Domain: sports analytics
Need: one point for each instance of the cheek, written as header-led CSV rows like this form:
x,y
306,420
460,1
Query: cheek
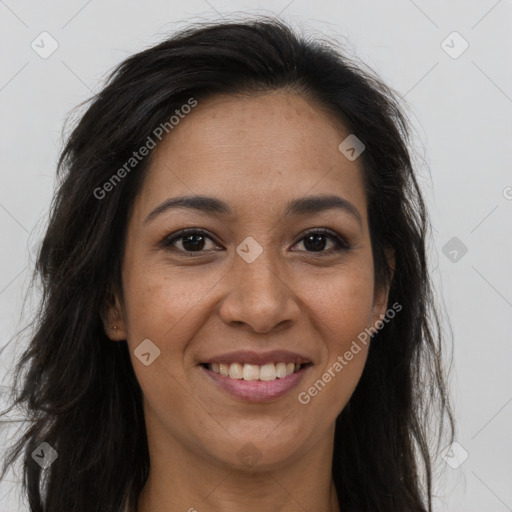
x,y
164,307
341,304
159,301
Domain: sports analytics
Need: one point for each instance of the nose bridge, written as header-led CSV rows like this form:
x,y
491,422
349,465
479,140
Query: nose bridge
x,y
257,294
258,276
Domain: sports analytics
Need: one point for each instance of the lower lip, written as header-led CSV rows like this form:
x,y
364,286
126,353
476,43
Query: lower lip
x,y
257,390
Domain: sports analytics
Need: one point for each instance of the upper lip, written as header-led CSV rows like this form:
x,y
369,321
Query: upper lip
x,y
259,358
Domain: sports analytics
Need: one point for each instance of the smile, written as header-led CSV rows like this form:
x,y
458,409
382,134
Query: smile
x,y
248,380
249,372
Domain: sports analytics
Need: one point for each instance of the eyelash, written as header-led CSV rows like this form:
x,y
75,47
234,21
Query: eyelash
x,y
167,242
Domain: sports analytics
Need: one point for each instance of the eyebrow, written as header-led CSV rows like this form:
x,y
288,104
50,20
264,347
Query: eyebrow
x,y
301,206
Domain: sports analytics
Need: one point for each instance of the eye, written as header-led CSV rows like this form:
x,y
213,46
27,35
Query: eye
x,y
317,240
189,241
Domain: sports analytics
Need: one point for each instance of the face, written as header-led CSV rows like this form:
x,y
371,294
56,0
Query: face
x,y
261,277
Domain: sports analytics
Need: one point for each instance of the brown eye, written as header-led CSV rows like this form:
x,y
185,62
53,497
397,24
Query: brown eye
x,y
193,242
189,241
316,241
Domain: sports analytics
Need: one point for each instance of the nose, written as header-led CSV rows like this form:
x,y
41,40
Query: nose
x,y
259,296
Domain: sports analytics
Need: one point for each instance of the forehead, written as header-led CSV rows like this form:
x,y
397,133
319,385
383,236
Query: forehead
x,y
261,149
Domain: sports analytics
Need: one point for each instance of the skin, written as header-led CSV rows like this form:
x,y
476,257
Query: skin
x,y
256,153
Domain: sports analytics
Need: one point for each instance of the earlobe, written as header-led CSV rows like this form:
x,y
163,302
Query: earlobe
x,y
380,304
382,290
390,259
113,318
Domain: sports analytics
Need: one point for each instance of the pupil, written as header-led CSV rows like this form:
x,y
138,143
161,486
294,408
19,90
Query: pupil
x,y
193,242
311,242
315,242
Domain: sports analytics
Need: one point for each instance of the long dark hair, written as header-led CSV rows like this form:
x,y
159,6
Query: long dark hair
x,y
79,390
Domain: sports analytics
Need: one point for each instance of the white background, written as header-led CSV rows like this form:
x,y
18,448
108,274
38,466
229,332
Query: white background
x,y
461,109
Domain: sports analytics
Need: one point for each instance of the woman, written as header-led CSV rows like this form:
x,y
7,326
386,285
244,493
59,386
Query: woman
x,y
237,313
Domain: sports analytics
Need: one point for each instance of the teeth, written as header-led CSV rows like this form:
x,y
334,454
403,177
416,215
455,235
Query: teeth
x,y
268,372
264,372
251,372
281,370
236,371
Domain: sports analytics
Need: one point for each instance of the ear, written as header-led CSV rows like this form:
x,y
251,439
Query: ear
x,y
112,316
381,293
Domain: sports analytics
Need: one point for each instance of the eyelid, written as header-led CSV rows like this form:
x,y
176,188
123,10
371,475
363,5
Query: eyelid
x,y
168,241
342,243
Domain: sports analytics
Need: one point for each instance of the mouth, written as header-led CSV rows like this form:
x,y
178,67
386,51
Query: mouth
x,y
253,372
263,382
